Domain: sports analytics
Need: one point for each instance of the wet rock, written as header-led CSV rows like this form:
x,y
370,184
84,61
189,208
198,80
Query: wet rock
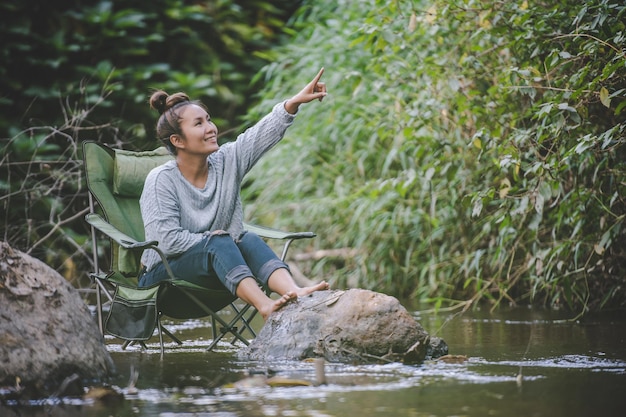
x,y
437,347
47,333
341,326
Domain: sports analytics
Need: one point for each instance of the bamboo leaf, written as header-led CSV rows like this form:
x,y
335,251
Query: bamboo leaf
x,y
604,97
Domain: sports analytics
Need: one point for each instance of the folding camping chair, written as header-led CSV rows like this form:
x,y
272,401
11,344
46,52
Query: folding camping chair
x,y
115,180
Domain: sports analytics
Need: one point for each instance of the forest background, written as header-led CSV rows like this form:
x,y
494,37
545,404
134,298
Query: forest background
x,y
469,152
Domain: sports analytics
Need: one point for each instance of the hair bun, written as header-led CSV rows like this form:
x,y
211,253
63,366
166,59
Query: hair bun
x,y
158,101
161,101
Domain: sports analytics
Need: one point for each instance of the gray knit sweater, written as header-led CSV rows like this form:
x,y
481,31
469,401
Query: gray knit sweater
x,y
176,213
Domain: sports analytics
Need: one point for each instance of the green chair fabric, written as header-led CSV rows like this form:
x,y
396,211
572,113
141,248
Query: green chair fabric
x,y
133,314
115,181
120,211
131,168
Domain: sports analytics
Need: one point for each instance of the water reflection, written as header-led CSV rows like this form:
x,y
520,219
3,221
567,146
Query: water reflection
x,y
520,362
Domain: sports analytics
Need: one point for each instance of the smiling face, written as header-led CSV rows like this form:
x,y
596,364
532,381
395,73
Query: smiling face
x,y
199,133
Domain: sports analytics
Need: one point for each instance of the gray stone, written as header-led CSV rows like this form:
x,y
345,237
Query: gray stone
x,y
437,347
47,334
341,326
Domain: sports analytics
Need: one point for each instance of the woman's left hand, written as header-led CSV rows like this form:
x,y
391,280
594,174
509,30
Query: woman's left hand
x,y
313,90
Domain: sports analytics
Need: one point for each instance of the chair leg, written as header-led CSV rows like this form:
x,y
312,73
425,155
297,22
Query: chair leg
x,y
231,328
240,315
246,320
228,327
216,339
160,335
99,308
171,336
133,342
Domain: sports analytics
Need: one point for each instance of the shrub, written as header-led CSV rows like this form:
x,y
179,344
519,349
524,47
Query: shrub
x,y
469,150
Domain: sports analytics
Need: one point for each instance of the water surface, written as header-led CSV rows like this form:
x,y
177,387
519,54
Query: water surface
x,y
519,362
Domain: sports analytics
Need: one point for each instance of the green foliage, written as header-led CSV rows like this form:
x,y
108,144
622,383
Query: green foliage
x,y
83,69
469,150
63,51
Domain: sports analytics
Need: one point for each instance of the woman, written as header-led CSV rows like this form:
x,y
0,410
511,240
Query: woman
x,y
192,206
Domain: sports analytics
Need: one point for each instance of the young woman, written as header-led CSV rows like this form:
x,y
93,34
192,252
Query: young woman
x,y
192,206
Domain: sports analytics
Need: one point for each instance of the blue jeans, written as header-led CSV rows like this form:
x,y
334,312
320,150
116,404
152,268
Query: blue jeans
x,y
218,261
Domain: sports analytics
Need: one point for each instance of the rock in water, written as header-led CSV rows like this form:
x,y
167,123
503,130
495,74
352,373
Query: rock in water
x,y
47,333
341,326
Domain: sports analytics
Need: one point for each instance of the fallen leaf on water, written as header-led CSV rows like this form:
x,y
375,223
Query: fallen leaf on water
x,y
259,381
452,358
277,381
104,394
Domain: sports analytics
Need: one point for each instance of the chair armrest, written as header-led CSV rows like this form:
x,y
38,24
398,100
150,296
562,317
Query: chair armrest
x,y
126,241
270,233
121,238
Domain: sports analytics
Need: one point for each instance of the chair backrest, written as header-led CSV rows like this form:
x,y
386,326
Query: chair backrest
x,y
115,179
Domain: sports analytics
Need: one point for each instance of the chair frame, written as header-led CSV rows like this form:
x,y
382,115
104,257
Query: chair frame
x,y
104,284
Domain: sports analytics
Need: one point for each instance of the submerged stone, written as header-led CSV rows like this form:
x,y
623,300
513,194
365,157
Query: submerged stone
x,y
341,326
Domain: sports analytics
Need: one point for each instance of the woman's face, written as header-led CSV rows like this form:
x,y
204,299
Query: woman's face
x,y
199,132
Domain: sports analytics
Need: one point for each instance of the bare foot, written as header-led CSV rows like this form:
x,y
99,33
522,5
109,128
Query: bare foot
x,y
308,290
275,305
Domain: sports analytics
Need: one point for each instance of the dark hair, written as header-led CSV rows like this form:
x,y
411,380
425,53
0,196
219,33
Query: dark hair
x,y
169,107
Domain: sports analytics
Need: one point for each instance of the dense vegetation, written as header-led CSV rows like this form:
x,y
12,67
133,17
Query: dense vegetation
x,y
468,151
73,70
79,53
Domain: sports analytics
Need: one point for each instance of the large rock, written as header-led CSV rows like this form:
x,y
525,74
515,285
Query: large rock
x,y
47,334
341,326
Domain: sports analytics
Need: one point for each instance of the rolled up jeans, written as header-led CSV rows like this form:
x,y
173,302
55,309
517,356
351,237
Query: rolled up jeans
x,y
218,261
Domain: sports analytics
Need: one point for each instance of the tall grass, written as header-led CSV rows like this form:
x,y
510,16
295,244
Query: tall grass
x,y
467,150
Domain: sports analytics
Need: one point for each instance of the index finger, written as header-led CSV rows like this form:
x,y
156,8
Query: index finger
x,y
318,76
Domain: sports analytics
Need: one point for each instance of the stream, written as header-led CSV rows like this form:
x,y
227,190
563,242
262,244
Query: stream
x,y
511,362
